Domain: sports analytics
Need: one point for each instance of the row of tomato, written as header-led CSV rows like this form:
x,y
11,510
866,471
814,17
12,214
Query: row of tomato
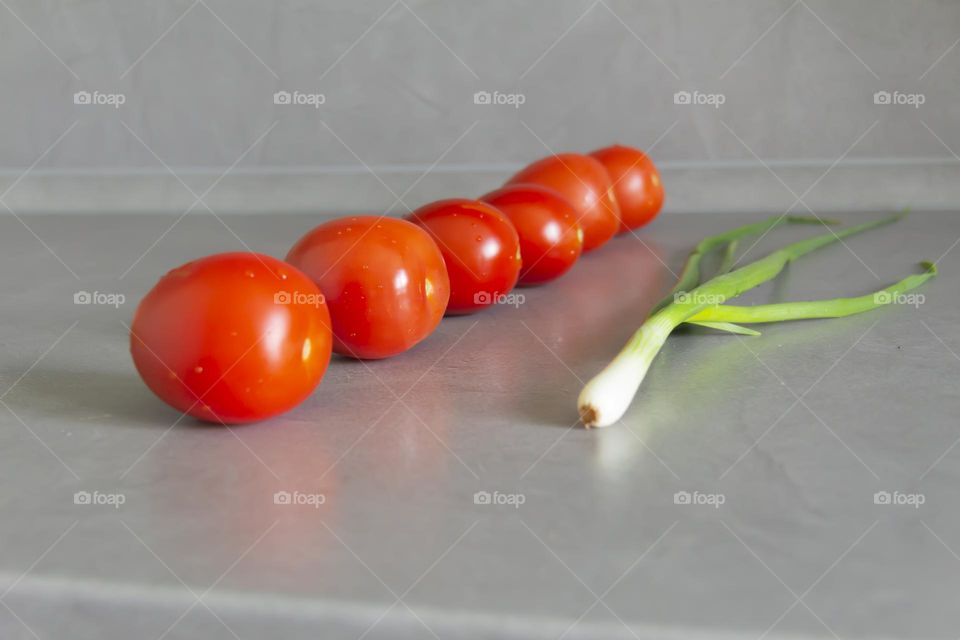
x,y
239,337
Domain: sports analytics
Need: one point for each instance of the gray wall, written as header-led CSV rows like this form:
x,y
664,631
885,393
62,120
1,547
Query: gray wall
x,y
797,79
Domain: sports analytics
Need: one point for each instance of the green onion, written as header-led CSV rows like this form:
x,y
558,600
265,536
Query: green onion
x,y
726,263
607,396
729,327
690,276
836,308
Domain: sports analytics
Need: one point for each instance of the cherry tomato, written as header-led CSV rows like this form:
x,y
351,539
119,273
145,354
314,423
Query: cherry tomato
x,y
586,184
636,184
384,280
480,247
550,238
232,338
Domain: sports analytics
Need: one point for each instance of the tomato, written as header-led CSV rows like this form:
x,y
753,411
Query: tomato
x,y
384,280
550,238
480,247
586,184
232,338
636,184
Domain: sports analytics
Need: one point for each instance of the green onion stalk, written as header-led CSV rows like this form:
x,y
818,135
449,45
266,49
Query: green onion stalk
x,y
835,308
690,275
607,396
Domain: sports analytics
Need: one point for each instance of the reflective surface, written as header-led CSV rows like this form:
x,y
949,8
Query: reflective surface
x,y
450,477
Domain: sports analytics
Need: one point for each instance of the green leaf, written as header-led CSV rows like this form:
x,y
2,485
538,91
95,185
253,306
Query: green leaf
x,y
729,327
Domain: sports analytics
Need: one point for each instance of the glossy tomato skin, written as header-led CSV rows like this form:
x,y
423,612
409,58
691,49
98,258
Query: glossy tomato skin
x,y
585,183
480,247
636,184
384,280
232,338
551,240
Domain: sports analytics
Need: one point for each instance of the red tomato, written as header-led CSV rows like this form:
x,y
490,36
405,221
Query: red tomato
x,y
550,238
636,184
232,338
384,280
586,184
480,247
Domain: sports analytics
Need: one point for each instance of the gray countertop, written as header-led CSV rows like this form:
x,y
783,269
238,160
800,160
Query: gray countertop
x,y
794,432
